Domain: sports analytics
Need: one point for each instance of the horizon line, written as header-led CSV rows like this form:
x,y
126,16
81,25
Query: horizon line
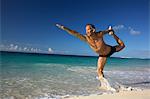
x,y
60,54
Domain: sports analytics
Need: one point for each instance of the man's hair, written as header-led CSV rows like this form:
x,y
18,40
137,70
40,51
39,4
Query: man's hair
x,y
91,25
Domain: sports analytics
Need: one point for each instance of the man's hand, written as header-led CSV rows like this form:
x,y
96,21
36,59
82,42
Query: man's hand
x,y
60,26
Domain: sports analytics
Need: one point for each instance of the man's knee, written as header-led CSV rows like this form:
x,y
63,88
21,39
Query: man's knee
x,y
123,46
120,47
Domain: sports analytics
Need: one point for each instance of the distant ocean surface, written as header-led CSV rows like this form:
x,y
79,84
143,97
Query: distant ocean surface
x,y
37,76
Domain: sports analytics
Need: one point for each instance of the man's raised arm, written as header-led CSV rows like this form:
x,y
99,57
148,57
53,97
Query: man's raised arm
x,y
72,32
109,30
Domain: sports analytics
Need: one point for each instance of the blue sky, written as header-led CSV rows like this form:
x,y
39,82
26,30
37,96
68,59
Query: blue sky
x,y
29,25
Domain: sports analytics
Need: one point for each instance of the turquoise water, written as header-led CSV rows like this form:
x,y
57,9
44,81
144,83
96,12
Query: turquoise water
x,y
37,75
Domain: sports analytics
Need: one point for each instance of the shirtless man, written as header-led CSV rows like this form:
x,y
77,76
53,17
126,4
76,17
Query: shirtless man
x,y
96,42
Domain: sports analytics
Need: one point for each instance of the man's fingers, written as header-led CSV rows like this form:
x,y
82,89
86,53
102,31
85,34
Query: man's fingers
x,y
60,26
109,28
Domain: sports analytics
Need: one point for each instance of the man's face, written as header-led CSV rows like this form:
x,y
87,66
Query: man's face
x,y
89,30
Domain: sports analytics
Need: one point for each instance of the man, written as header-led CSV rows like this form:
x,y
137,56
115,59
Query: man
x,y
96,42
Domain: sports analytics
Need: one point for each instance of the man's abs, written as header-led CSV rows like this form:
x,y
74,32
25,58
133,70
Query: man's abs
x,y
103,50
98,46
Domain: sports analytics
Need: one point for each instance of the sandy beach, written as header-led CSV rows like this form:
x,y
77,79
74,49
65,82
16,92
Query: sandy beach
x,y
144,94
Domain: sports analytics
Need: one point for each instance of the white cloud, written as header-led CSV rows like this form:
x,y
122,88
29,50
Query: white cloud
x,y
12,47
32,49
133,32
23,48
118,27
50,50
15,47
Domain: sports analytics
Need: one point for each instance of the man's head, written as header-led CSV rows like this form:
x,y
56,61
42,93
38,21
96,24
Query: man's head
x,y
90,28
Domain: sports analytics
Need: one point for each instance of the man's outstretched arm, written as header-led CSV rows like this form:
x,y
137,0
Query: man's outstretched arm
x,y
72,32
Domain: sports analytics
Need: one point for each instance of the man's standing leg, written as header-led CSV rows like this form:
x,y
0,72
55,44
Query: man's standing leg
x,y
101,63
100,66
104,82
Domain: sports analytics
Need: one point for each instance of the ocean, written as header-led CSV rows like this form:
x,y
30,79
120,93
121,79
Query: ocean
x,y
43,76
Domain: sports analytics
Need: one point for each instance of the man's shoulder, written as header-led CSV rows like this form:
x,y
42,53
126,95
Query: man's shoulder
x,y
99,34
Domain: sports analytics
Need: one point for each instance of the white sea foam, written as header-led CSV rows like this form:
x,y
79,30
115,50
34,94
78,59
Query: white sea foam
x,y
49,64
80,69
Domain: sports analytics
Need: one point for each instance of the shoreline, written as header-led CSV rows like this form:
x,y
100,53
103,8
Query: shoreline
x,y
135,94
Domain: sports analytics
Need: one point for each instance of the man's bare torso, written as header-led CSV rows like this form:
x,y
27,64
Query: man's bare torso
x,y
98,45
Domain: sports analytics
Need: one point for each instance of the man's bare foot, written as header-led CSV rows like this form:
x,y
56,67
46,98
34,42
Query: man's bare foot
x,y
101,77
111,33
106,86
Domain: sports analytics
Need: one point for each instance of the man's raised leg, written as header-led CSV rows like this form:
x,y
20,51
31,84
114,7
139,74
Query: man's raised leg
x,y
120,45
